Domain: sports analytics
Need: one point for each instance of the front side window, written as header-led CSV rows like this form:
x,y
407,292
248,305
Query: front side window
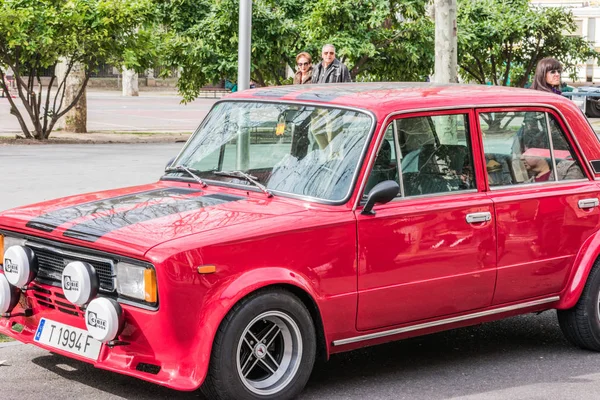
x,y
298,149
435,155
519,149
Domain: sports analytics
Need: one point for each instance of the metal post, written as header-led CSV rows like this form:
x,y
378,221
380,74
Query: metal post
x,y
445,41
245,36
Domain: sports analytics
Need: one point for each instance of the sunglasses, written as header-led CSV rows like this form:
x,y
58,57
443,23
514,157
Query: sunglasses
x,y
303,64
555,71
329,52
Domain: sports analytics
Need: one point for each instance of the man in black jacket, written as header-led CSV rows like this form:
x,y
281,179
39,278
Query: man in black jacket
x,y
330,69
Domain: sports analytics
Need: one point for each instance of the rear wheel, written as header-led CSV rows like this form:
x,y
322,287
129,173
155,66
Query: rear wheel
x,y
581,324
264,349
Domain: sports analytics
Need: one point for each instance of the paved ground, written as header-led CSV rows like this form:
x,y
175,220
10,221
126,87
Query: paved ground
x,y
113,118
36,173
108,111
524,357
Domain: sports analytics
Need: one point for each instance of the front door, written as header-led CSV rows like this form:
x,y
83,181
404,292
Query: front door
x,y
432,251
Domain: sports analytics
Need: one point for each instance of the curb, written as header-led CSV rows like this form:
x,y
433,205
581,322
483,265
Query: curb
x,y
100,138
10,344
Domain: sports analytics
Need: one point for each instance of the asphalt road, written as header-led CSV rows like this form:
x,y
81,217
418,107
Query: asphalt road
x,y
523,357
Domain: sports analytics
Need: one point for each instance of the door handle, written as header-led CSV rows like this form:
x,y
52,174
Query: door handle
x,y
479,217
588,203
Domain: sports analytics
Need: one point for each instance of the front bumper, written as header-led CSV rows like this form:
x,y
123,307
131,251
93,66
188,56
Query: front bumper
x,y
148,352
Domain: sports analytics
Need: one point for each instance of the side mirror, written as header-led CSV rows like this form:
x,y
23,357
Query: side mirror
x,y
381,193
169,163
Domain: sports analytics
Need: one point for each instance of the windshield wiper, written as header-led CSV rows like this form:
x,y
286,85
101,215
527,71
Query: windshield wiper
x,y
183,168
248,177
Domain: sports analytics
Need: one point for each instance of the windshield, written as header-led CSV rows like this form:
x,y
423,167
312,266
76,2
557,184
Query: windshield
x,y
299,149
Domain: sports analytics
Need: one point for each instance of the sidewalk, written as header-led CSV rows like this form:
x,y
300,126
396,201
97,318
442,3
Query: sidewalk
x,y
98,137
154,116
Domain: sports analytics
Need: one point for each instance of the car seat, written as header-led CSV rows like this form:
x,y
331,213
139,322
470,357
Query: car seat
x,y
439,170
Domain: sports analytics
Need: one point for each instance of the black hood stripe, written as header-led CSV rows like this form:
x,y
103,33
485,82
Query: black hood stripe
x,y
52,220
94,229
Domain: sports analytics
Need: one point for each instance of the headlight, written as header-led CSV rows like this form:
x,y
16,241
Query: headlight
x,y
8,241
137,282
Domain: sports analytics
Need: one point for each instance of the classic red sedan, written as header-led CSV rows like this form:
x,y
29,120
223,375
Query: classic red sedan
x,y
302,221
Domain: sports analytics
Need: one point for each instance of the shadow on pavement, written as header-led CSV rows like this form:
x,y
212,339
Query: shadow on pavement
x,y
109,382
514,352
519,351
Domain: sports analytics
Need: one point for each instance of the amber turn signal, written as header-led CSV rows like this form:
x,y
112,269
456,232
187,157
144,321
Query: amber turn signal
x,y
207,269
150,285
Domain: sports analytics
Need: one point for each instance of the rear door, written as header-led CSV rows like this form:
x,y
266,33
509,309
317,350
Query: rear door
x,y
432,251
545,204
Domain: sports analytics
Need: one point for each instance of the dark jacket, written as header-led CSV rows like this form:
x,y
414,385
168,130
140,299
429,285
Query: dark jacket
x,y
336,72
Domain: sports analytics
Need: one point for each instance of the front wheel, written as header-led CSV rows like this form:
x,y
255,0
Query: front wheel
x,y
264,349
581,324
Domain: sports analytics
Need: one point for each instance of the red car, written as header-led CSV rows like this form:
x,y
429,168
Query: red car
x,y
303,221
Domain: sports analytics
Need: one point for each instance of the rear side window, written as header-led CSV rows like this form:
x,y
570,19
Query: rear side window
x,y
426,155
526,147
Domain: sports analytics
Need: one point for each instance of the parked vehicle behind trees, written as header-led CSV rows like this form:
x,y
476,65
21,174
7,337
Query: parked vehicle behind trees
x,y
265,246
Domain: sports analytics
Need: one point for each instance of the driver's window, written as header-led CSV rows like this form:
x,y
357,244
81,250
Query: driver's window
x,y
435,155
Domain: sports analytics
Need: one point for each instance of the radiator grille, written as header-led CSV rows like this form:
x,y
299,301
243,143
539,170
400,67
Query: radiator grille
x,y
52,261
55,300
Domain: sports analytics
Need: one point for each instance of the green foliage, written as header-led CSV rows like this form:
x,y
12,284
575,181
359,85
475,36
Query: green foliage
x,y
392,40
501,41
38,34
389,40
205,46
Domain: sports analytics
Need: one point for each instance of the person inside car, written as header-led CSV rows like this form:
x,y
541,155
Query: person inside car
x,y
537,161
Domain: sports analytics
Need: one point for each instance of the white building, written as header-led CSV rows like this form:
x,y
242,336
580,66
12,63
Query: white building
x,y
587,18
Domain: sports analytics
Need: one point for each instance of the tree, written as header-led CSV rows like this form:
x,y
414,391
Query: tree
x,y
382,40
202,40
501,41
377,39
36,34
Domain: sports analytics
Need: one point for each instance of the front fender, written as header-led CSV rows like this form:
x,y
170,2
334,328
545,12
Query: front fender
x,y
584,261
220,300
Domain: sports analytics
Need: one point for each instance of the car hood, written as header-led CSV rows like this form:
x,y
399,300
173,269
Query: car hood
x,y
133,220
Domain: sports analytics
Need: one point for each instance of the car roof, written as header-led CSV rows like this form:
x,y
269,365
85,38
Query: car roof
x,y
385,97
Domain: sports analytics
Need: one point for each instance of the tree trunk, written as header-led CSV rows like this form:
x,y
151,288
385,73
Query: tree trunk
x,y
130,83
76,119
445,41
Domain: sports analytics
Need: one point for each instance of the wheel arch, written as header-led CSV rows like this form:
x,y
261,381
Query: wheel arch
x,y
238,290
588,255
313,309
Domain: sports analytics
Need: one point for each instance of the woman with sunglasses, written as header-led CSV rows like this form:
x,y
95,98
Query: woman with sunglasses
x,y
547,76
305,69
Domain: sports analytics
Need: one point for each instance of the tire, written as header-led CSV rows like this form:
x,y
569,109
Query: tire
x,y
581,324
592,108
264,349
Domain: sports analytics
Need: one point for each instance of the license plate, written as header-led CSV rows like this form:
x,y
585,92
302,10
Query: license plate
x,y
67,338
